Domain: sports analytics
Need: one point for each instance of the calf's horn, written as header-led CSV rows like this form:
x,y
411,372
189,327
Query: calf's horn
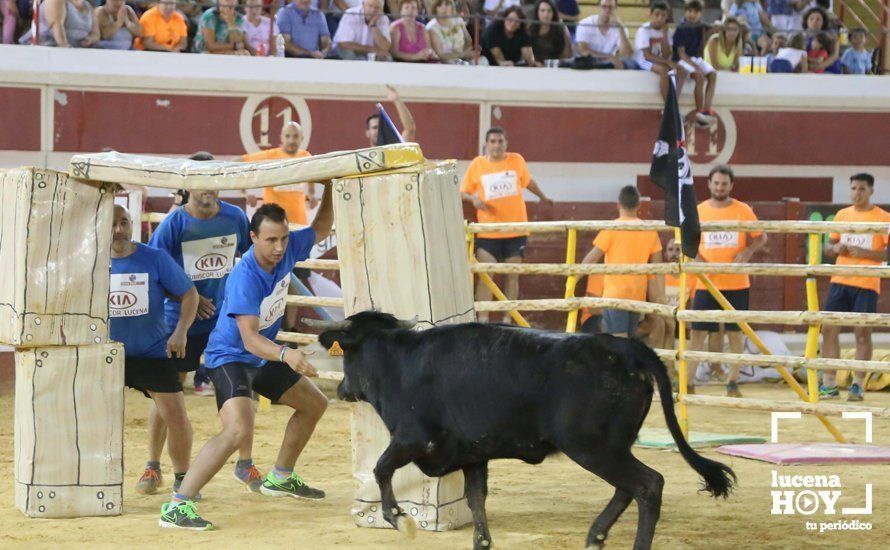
x,y
408,323
327,325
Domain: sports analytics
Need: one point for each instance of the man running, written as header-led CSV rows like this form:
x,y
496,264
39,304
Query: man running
x,y
242,356
724,247
203,237
140,278
853,294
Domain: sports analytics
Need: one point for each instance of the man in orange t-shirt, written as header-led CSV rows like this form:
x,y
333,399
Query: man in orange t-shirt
x,y
724,247
494,183
163,29
290,197
853,294
626,247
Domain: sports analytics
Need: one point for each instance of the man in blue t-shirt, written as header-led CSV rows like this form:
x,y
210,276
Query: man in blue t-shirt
x,y
140,278
242,357
203,237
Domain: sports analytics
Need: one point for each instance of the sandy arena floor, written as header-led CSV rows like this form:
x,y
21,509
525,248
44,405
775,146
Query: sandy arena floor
x,y
529,507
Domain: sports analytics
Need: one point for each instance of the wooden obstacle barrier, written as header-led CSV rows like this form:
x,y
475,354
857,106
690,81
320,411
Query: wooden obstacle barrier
x,y
400,242
55,234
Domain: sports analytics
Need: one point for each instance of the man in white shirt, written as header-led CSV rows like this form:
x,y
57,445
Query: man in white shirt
x,y
604,38
363,31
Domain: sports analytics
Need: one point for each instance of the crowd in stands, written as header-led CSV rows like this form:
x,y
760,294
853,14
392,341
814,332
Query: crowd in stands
x,y
792,35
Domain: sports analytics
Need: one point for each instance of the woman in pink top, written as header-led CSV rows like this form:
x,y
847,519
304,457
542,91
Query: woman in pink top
x,y
409,39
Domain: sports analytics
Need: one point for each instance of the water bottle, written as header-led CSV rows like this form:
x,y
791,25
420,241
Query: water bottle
x,y
279,45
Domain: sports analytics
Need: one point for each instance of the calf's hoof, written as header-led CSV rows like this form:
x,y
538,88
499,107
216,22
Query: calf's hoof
x,y
483,544
405,525
597,543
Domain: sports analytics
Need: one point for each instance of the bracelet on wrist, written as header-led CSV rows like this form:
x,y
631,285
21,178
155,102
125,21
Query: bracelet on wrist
x,y
281,353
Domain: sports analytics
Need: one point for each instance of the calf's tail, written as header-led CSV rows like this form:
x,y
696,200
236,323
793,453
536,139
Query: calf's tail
x,y
718,478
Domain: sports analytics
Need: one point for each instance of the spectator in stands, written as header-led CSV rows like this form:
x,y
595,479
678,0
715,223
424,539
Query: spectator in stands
x,y
550,39
856,60
67,24
448,34
626,247
724,48
750,12
777,41
118,25
569,13
259,29
816,21
792,59
363,31
783,14
9,11
506,42
163,29
493,8
652,44
820,52
409,39
603,38
305,30
724,247
494,183
215,31
409,128
689,41
854,294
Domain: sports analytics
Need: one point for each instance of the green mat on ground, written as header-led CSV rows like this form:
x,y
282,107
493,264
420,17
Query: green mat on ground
x,y
660,438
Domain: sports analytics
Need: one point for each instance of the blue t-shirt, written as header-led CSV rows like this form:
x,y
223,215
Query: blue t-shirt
x,y
139,283
691,36
856,62
304,28
251,290
206,251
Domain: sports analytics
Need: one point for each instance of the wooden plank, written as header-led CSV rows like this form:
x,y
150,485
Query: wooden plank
x,y
767,226
400,246
69,416
55,239
828,409
173,173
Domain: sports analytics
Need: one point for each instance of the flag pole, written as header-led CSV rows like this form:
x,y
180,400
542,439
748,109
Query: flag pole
x,y
681,344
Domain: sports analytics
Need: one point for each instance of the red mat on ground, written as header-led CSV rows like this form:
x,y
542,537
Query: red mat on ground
x,y
810,453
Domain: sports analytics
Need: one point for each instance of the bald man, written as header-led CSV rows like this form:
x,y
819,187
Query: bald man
x,y
290,197
141,276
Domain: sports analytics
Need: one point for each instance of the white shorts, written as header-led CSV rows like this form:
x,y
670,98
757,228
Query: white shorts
x,y
698,65
786,23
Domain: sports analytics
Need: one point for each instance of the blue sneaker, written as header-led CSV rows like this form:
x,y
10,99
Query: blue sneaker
x,y
855,393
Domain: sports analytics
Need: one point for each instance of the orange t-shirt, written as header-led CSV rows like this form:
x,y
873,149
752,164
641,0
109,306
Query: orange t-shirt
x,y
165,32
672,288
627,247
722,246
290,197
500,186
873,242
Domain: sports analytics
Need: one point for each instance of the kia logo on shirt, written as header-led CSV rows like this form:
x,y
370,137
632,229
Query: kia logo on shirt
x,y
224,240
274,312
121,299
132,277
210,262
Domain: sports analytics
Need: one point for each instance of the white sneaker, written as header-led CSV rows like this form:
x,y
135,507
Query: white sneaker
x,y
204,390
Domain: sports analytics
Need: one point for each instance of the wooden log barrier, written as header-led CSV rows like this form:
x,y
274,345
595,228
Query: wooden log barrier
x,y
69,419
401,247
827,409
55,237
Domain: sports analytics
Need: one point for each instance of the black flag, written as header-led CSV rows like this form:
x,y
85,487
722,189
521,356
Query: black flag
x,y
672,172
386,132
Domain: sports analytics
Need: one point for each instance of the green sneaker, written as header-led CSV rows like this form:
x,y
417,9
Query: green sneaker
x,y
855,393
826,393
183,516
294,486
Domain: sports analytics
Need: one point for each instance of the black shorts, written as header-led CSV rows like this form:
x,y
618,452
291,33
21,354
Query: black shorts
x,y
851,299
704,301
152,374
238,379
194,349
501,249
